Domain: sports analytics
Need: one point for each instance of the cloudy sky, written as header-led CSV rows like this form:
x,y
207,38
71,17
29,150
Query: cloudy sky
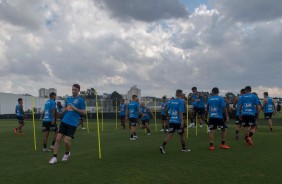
x,y
159,45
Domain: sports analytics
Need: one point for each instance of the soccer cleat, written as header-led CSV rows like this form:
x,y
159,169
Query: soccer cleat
x,y
15,131
249,141
66,157
162,149
52,147
83,128
132,139
192,125
201,126
161,130
185,150
46,150
53,160
211,148
148,134
224,146
135,136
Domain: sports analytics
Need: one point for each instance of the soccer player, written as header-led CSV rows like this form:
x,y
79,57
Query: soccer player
x,y
269,108
74,106
216,106
20,116
176,123
122,111
49,121
238,121
132,113
81,121
60,110
163,114
198,106
248,107
146,117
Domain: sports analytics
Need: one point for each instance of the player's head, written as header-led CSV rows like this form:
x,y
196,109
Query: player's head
x,y
265,94
59,104
134,97
75,90
20,100
215,91
242,91
142,104
122,101
52,95
179,93
248,89
164,98
194,89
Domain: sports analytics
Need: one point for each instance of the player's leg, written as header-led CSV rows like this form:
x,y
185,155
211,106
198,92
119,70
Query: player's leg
x,y
223,136
181,133
268,117
45,140
133,124
148,128
212,127
237,127
59,138
168,137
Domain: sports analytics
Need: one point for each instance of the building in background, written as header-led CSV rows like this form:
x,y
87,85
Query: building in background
x,y
133,91
44,93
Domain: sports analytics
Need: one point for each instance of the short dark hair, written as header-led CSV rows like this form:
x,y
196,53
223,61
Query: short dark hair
x,y
52,94
20,99
194,88
242,91
178,92
164,98
134,96
248,89
265,93
77,86
215,91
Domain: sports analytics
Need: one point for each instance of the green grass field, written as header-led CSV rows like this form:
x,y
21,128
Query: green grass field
x,y
140,161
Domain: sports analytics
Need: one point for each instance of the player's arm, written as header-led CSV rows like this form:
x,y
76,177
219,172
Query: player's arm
x,y
235,102
227,115
53,110
80,111
152,114
263,103
258,108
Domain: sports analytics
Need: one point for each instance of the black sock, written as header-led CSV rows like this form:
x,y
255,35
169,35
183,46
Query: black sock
x,y
183,146
192,121
134,133
53,143
222,142
131,136
251,134
148,130
164,143
44,146
271,129
237,132
67,152
211,143
55,155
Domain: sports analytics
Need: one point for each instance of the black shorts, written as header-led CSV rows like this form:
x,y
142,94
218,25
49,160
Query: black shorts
x,y
46,126
175,127
122,117
267,116
81,118
67,130
184,115
133,121
216,122
199,111
145,121
164,118
238,121
248,120
20,119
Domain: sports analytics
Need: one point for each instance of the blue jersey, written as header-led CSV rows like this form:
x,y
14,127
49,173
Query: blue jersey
x,y
198,101
122,108
71,117
164,105
216,105
145,113
48,108
19,110
175,107
248,102
238,106
269,108
60,109
133,109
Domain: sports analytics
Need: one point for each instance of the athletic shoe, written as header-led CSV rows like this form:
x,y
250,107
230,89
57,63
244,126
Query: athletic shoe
x,y
66,157
15,131
46,150
250,142
224,146
201,126
211,148
53,160
161,130
162,149
185,150
132,139
135,136
52,147
83,128
192,125
148,134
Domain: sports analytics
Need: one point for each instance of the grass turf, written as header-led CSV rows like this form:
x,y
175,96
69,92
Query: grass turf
x,y
140,161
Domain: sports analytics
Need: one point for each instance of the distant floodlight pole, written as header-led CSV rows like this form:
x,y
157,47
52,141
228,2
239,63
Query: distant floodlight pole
x,y
98,127
33,123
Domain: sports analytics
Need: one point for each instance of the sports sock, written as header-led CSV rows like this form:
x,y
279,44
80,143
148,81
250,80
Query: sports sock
x,y
237,132
211,143
131,136
251,134
183,146
271,129
53,143
44,146
55,155
67,152
164,143
222,142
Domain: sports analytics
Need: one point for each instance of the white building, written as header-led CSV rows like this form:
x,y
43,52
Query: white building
x,y
134,91
43,92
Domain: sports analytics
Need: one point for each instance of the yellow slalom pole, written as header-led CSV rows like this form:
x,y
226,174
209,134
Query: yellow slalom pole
x,y
86,117
102,108
116,116
33,123
98,128
145,102
155,107
196,124
187,111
